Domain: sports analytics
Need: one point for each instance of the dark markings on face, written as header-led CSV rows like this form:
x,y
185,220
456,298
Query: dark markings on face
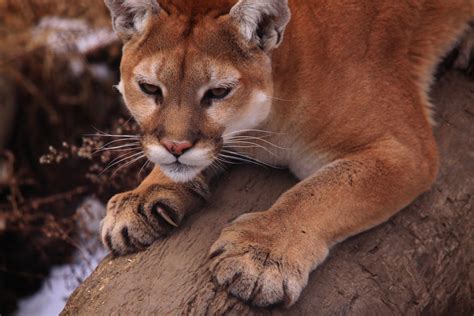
x,y
187,41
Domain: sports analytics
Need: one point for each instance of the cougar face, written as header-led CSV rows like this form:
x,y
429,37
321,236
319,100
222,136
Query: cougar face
x,y
190,82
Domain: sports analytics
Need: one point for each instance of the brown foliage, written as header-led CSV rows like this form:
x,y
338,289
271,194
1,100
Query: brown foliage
x,y
58,96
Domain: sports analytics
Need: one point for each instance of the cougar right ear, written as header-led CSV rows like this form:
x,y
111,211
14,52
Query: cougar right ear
x,y
262,21
129,17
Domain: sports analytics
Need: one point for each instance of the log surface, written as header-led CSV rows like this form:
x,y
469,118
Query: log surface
x,y
419,262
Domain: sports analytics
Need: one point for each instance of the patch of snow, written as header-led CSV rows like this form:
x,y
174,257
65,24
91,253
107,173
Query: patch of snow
x,y
75,38
101,71
62,281
77,66
66,35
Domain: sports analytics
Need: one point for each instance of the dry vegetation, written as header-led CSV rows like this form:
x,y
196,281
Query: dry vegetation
x,y
53,91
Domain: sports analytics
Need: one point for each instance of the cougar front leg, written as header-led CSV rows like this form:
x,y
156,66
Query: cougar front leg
x,y
265,258
137,218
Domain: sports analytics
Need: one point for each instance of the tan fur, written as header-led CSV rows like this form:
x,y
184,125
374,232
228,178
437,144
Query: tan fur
x,y
342,102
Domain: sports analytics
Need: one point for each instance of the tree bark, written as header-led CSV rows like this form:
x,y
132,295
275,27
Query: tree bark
x,y
419,262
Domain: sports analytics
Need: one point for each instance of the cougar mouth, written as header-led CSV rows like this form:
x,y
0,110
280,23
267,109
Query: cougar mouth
x,y
186,166
180,172
178,166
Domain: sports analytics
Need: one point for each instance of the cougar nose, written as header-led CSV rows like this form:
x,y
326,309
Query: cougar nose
x,y
177,148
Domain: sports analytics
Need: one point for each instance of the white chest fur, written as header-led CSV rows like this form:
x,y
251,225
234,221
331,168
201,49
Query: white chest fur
x,y
303,161
306,164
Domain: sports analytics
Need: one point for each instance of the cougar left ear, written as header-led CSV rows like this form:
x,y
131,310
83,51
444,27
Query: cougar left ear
x,y
262,22
129,17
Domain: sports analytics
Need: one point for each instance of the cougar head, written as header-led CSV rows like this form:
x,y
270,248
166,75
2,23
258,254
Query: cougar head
x,y
195,72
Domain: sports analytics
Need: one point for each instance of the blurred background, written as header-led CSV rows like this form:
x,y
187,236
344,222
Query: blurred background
x,y
58,63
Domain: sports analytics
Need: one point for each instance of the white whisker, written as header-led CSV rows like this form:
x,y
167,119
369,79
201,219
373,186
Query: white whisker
x,y
145,165
121,160
127,147
129,163
104,134
249,130
220,162
280,99
247,138
217,166
110,135
225,161
120,140
120,157
246,158
250,145
242,159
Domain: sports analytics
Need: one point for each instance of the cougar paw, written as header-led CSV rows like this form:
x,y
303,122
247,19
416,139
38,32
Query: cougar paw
x,y
258,267
137,218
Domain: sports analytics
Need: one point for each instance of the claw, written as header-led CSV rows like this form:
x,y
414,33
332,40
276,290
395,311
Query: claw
x,y
216,252
166,217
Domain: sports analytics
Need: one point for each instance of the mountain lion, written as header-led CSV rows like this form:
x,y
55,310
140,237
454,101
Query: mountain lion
x,y
338,95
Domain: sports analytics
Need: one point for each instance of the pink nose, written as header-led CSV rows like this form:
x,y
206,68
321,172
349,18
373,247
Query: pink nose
x,y
176,147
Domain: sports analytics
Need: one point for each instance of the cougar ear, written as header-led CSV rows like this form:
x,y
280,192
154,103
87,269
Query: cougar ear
x,y
262,21
129,17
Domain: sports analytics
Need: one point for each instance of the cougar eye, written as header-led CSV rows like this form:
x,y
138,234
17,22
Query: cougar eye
x,y
217,93
150,89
